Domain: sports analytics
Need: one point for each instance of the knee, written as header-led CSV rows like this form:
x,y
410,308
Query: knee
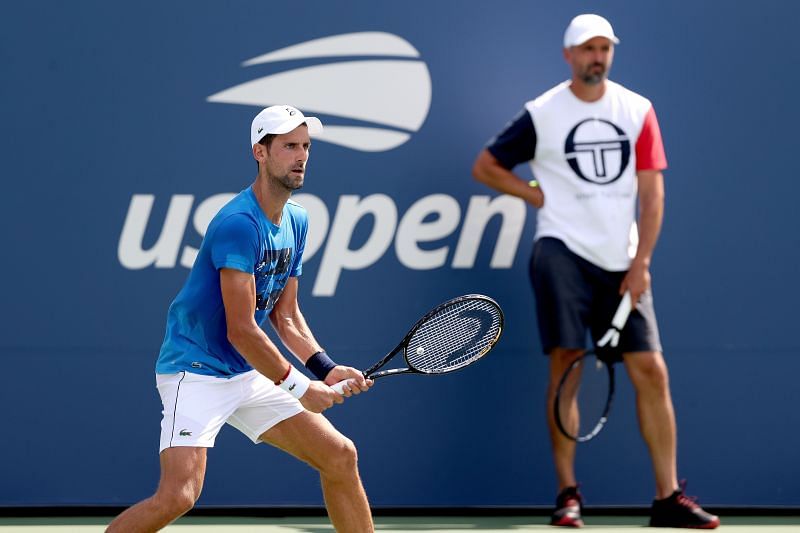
x,y
342,460
178,501
650,374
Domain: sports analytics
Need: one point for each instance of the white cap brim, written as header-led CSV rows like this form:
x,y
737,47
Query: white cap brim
x,y
258,131
591,35
313,123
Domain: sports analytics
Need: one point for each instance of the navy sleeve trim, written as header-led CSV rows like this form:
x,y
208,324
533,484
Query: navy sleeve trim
x,y
516,143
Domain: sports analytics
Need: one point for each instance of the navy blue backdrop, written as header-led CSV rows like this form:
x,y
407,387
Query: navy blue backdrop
x,y
123,123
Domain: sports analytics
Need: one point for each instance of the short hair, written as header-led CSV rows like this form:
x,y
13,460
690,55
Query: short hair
x,y
266,142
267,139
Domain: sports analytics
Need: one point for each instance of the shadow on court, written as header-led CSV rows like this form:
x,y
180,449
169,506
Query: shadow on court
x,y
192,524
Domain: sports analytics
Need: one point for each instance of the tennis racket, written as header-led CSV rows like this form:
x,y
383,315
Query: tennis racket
x,y
449,337
585,391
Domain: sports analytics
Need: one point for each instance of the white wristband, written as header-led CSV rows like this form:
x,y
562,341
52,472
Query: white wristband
x,y
296,383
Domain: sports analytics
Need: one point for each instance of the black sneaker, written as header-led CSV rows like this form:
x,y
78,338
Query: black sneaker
x,y
569,504
679,510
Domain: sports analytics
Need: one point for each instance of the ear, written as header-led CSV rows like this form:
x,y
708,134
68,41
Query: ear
x,y
567,55
259,152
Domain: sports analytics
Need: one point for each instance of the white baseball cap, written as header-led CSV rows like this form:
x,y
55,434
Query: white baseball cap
x,y
584,27
279,119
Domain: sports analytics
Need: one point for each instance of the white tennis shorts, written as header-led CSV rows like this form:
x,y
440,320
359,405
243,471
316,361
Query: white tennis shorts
x,y
197,406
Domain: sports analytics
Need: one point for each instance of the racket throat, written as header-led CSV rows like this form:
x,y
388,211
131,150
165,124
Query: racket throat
x,y
390,372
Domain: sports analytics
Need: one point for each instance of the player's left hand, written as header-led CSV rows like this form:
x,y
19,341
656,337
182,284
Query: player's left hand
x,y
356,382
637,280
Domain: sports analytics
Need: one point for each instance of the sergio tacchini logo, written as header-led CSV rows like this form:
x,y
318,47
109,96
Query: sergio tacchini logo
x,y
597,150
392,96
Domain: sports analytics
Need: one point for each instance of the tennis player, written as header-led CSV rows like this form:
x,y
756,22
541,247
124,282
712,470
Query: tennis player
x,y
217,365
594,147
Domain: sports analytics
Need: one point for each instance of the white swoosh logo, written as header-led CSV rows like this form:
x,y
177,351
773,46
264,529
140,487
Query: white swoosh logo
x,y
387,92
366,43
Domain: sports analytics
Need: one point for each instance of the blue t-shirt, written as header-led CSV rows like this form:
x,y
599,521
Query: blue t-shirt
x,y
240,237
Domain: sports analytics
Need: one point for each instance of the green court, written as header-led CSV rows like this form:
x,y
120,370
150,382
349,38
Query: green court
x,y
450,524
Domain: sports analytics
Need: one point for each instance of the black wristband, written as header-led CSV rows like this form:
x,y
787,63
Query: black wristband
x,y
320,364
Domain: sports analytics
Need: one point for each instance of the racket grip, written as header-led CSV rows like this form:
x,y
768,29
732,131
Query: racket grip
x,y
624,309
339,387
611,337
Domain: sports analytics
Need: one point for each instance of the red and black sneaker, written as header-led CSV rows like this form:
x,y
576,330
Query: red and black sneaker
x,y
569,504
679,510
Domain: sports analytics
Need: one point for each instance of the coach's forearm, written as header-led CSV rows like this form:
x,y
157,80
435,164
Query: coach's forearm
x,y
489,171
650,219
651,215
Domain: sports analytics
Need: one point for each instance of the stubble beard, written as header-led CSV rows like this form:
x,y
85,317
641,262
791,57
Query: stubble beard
x,y
594,79
289,182
286,180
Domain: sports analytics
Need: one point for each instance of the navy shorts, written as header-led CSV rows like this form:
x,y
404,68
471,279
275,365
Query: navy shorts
x,y
574,296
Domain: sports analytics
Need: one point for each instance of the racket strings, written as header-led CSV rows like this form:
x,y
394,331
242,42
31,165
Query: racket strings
x,y
582,400
454,336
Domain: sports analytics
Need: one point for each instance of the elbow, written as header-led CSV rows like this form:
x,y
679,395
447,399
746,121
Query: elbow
x,y
235,338
237,335
657,195
487,170
654,201
479,172
651,190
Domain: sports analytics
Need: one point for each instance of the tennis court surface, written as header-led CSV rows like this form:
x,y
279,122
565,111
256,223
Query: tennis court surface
x,y
449,524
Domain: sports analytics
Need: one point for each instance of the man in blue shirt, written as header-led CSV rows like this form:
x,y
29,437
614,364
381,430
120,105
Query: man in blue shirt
x,y
217,365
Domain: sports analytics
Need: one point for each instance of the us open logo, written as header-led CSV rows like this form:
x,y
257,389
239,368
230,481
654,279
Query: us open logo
x,y
598,151
382,101
373,100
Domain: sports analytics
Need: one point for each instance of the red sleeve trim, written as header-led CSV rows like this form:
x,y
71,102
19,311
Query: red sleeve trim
x,y
649,146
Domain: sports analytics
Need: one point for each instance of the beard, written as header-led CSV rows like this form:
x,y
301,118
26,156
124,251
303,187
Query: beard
x,y
290,182
593,78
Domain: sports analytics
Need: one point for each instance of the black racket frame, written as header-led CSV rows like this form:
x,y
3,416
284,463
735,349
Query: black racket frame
x,y
372,372
609,363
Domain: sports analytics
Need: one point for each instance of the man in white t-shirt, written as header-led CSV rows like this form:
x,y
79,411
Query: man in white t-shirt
x,y
594,148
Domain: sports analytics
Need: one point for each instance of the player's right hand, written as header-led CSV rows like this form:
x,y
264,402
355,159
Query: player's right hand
x,y
319,397
356,382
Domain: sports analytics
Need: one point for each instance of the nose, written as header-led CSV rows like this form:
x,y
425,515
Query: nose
x,y
600,56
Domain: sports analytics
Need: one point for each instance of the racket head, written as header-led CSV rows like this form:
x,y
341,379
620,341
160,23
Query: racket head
x,y
453,335
584,396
